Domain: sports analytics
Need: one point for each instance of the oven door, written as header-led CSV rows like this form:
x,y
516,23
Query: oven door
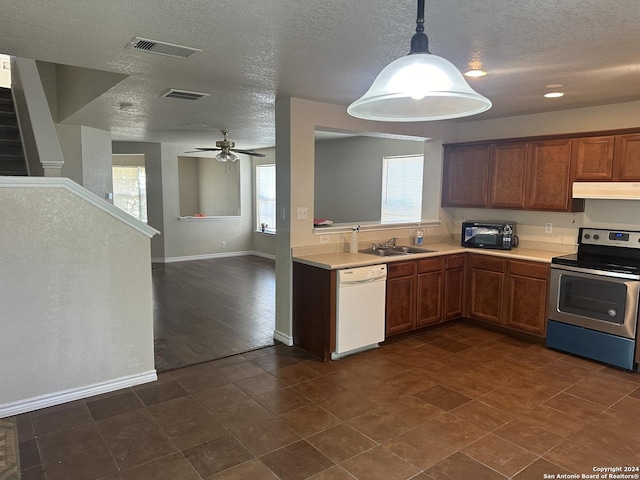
x,y
594,299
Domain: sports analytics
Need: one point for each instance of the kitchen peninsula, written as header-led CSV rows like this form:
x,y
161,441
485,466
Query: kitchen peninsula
x,y
503,288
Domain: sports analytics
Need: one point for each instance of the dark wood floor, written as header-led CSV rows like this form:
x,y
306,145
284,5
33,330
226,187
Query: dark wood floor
x,y
209,309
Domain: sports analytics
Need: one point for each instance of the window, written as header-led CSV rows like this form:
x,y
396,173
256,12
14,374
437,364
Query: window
x,y
402,189
266,197
130,191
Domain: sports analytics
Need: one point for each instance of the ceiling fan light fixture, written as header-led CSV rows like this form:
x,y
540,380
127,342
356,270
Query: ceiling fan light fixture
x,y
419,87
224,156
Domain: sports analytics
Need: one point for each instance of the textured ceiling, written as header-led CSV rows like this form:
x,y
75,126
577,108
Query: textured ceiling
x,y
254,52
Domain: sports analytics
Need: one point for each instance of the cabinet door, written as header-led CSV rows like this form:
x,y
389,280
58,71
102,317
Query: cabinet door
x,y
486,284
593,157
508,175
550,175
430,294
527,290
401,305
465,179
627,158
453,293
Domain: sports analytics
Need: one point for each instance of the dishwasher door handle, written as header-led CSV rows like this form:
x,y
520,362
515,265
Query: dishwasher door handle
x,y
363,282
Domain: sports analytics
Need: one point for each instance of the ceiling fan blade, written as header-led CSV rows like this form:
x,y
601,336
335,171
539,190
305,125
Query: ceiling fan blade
x,y
248,152
208,149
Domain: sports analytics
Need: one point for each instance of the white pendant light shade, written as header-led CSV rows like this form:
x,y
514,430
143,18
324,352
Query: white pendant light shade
x,y
419,87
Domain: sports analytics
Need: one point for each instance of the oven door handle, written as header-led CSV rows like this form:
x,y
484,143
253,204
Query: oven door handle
x,y
591,271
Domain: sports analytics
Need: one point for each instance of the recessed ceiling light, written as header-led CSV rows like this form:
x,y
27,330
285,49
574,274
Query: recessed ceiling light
x,y
554,95
195,125
554,85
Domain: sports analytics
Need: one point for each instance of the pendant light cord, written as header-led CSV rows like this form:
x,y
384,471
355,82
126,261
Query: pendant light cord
x,y
419,41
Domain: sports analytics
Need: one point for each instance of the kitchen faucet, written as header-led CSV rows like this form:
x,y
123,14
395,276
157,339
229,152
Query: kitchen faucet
x,y
391,243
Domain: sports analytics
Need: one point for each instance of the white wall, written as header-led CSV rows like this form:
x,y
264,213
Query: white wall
x,y
85,320
87,157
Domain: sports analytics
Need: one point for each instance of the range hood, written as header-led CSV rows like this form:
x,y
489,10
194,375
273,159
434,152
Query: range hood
x,y
607,190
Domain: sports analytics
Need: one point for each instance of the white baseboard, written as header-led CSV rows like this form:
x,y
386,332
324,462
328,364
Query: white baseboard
x,y
264,255
208,256
51,399
281,337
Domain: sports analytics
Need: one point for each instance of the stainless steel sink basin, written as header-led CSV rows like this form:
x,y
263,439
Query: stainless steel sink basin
x,y
387,252
395,251
412,249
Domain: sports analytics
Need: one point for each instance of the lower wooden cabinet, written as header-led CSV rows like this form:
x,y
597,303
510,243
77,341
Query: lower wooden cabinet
x,y
454,286
510,293
430,291
401,297
486,286
526,304
424,292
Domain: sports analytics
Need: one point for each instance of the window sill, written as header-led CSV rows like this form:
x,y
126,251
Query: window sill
x,y
189,219
266,232
347,227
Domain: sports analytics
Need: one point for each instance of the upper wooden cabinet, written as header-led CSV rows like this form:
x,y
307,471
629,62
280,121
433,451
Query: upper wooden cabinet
x,y
466,176
535,175
612,158
509,175
593,157
550,175
627,158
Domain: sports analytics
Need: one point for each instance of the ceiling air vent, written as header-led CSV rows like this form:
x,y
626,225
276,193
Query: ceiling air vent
x,y
183,94
161,48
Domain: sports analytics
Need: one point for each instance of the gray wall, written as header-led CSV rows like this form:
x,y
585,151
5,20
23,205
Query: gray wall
x,y
348,176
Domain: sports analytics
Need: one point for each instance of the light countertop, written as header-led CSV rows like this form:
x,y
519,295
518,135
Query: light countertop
x,y
340,260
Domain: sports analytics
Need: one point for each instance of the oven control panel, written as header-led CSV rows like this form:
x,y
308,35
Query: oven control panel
x,y
614,238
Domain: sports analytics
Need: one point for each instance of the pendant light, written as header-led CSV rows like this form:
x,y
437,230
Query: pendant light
x,y
419,87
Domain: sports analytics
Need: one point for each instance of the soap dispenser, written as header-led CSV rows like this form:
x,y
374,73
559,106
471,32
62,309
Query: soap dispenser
x,y
419,235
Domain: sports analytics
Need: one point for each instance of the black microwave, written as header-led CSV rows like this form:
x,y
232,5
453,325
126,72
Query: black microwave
x,y
498,235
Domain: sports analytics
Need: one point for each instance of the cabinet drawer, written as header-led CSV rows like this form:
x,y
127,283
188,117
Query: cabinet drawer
x,y
485,262
529,269
454,261
434,264
401,269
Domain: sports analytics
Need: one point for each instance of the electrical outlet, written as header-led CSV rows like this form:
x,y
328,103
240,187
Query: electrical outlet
x,y
223,244
431,230
548,227
324,238
303,213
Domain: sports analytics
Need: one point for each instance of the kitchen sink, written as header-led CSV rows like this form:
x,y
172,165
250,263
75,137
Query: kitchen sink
x,y
395,251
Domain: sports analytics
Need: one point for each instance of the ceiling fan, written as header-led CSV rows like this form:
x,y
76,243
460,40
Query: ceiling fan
x,y
226,149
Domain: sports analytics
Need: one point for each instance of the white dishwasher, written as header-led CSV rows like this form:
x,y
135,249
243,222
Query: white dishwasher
x,y
360,309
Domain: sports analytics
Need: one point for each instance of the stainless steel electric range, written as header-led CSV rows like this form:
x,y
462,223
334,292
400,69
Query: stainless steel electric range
x,y
594,296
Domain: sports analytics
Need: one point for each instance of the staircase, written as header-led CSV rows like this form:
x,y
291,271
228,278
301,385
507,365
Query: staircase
x,y
12,161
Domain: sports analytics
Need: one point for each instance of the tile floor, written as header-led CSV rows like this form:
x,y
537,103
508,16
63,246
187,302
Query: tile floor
x,y
456,403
